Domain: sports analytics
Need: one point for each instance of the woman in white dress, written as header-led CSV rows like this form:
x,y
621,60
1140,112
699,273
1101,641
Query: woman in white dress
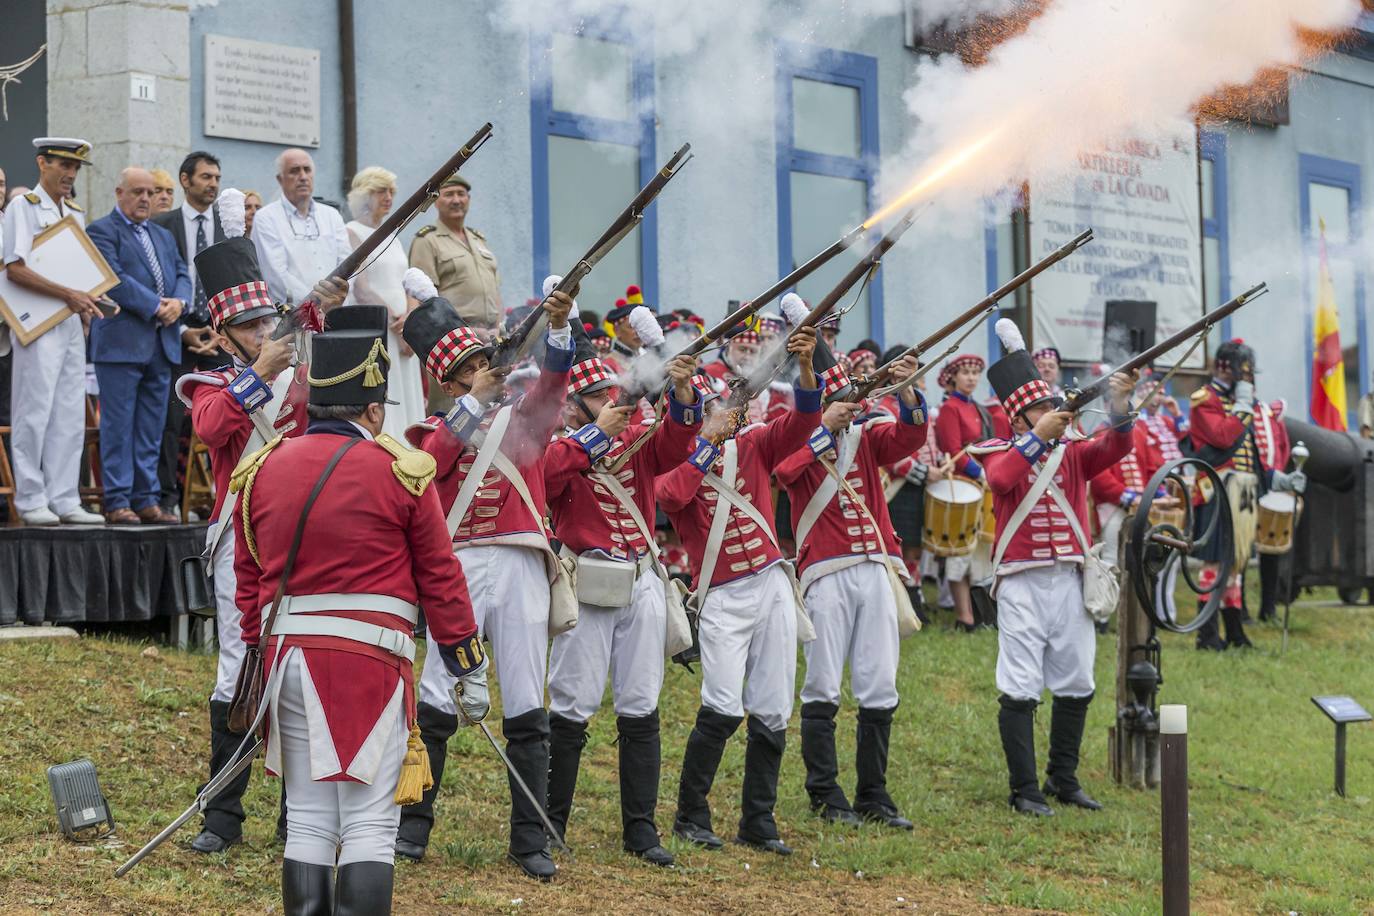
x,y
369,201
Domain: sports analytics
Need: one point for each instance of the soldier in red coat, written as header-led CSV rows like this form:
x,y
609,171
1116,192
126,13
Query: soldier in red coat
x,y
1224,434
498,532
235,410
847,553
599,481
1045,637
719,502
334,622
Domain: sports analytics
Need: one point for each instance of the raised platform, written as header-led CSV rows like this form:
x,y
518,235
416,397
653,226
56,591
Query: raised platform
x,y
71,574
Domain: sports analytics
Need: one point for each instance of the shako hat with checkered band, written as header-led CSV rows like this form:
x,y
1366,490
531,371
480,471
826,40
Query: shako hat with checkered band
x,y
1014,377
348,368
589,374
435,330
228,271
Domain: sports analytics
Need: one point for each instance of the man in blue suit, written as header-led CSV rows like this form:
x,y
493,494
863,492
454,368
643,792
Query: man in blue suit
x,y
134,352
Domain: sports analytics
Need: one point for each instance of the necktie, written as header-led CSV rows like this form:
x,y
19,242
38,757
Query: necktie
x,y
141,231
198,306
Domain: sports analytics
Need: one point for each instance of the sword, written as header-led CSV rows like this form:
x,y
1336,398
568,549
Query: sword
x,y
212,788
515,774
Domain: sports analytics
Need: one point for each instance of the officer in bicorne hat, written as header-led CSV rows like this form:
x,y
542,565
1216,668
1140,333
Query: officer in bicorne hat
x,y
235,410
1045,637
499,534
340,541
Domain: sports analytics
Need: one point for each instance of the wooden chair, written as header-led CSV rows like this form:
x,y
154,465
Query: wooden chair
x,y
199,492
7,475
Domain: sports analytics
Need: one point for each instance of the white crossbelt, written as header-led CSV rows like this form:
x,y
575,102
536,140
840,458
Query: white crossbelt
x,y
308,615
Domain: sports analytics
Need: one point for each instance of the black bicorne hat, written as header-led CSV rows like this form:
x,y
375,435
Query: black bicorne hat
x,y
348,368
439,334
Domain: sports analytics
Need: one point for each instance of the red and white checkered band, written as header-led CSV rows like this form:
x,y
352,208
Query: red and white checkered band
x,y
602,344
1046,353
586,374
748,337
238,299
834,379
968,359
1026,395
704,386
451,349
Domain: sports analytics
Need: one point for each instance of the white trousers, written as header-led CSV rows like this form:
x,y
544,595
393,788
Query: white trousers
x,y
509,588
228,632
748,636
48,418
1111,535
855,616
976,567
1045,638
333,822
626,642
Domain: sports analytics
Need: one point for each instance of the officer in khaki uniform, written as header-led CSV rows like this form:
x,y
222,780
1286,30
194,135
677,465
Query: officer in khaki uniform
x,y
456,257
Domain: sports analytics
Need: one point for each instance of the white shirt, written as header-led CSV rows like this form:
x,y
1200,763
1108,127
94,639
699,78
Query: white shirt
x,y
188,226
295,252
24,220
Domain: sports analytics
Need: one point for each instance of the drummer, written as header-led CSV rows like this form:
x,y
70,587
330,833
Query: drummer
x,y
1271,436
963,421
1225,433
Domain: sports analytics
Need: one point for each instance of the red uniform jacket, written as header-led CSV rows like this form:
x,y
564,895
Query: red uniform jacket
x,y
961,423
497,514
368,534
841,532
1213,423
1123,482
691,505
1046,535
586,515
220,418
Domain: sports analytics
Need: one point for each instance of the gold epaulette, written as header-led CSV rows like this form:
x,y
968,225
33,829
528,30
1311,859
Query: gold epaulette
x,y
412,467
1199,395
73,205
32,197
242,481
425,230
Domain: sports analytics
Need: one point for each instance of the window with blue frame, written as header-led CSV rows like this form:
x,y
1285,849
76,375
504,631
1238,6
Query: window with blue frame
x,y
592,148
1330,200
1216,257
827,153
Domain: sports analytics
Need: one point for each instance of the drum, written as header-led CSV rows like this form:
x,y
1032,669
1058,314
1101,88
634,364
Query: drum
x,y
1277,518
988,530
954,512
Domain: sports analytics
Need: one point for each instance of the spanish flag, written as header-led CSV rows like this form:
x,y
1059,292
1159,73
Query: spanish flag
x,y
1328,368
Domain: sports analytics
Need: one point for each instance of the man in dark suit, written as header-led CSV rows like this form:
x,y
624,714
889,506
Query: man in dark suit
x,y
194,225
134,352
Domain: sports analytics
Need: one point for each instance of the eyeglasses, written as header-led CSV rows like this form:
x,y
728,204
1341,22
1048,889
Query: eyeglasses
x,y
303,227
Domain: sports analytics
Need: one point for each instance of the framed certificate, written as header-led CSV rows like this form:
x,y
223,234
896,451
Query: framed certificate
x,y
62,253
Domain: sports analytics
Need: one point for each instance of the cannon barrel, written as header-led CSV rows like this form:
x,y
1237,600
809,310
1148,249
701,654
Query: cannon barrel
x,y
1336,456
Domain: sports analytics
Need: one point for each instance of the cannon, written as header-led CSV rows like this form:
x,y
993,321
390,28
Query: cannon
x,y
1334,541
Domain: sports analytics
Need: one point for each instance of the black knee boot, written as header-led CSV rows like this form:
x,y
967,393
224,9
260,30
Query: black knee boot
x,y
762,760
1209,634
306,890
223,826
436,727
640,765
1269,585
1016,722
1067,719
1235,629
527,746
871,800
566,740
364,889
705,745
822,767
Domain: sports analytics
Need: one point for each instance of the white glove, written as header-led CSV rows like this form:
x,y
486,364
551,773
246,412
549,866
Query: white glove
x,y
1245,397
474,702
917,475
1295,482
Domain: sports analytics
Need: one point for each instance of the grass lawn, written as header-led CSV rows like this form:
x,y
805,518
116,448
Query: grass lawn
x,y
1268,833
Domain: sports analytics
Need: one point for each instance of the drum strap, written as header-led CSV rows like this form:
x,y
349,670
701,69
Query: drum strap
x,y
1043,478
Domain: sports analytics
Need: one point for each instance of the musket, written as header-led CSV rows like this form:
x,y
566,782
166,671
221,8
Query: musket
x,y
513,345
742,391
866,386
306,314
1077,400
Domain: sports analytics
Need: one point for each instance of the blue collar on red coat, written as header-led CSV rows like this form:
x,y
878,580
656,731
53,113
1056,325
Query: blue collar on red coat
x,y
334,428
961,396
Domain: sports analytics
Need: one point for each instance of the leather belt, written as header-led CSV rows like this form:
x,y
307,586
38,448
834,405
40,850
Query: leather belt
x,y
312,604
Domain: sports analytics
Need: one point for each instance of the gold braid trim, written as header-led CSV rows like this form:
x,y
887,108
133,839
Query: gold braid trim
x,y
242,481
368,369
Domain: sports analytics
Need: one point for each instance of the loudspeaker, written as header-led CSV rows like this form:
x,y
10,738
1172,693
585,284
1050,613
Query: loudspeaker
x,y
1128,328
